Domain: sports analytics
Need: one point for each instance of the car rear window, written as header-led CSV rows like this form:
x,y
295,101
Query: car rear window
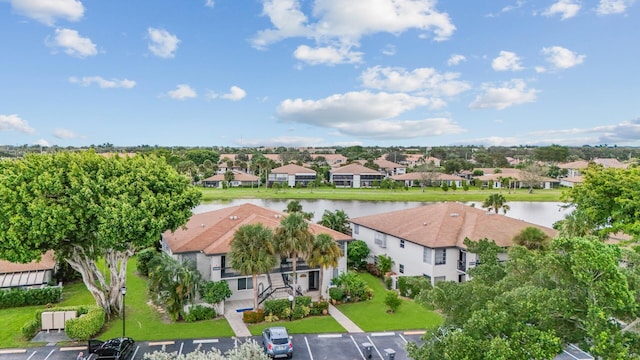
x,y
280,341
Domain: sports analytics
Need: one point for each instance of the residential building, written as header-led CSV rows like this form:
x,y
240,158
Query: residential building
x,y
239,179
291,175
333,160
206,240
33,274
429,240
436,179
515,179
386,167
354,176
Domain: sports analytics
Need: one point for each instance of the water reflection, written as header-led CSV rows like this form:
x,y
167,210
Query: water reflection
x,y
541,213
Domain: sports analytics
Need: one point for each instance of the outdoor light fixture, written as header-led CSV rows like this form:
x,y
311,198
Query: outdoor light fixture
x,y
123,291
291,303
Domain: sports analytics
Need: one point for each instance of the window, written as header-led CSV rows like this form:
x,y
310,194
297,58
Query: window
x,y
402,243
381,240
401,269
437,279
426,255
245,283
356,229
441,256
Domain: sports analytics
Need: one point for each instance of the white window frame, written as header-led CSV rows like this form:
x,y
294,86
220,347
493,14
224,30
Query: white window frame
x,y
427,254
401,269
441,256
248,283
402,243
380,239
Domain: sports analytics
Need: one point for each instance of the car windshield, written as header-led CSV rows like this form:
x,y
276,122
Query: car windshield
x,y
280,341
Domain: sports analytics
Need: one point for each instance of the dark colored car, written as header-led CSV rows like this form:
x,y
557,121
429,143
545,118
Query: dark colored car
x,y
115,349
277,343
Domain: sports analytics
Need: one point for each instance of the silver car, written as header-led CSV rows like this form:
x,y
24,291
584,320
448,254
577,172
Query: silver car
x,y
277,343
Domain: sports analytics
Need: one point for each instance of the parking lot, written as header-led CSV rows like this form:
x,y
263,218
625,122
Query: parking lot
x,y
309,346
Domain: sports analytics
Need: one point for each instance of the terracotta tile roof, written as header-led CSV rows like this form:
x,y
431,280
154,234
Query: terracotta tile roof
x,y
211,232
353,168
237,175
574,179
610,163
292,169
416,176
386,164
331,158
580,164
503,171
447,224
46,262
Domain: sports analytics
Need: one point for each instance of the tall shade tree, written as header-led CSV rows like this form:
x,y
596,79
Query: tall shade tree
x,y
293,239
294,206
87,207
324,254
336,220
496,202
252,253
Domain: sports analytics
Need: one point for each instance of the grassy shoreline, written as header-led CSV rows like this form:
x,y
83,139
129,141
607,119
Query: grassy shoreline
x,y
413,194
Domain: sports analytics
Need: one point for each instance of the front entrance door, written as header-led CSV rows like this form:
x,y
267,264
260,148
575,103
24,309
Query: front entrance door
x,y
314,280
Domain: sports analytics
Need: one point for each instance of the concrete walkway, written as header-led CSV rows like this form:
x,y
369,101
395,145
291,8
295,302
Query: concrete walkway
x,y
346,323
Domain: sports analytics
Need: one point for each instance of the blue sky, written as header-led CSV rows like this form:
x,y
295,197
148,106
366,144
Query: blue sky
x,y
319,73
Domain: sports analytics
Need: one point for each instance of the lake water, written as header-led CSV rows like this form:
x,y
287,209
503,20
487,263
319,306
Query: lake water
x,y
540,213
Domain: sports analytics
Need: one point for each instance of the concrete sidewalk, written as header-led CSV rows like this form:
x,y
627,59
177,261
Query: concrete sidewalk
x,y
346,323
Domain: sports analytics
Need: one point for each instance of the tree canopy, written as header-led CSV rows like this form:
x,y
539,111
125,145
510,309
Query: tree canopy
x,y
87,207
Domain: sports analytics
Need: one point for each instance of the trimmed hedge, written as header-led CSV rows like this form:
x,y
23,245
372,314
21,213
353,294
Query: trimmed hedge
x,y
253,317
336,293
29,297
318,306
199,312
91,323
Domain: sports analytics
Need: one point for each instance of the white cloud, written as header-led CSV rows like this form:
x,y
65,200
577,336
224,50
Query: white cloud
x,y
389,50
42,142
14,123
562,58
424,81
511,93
342,24
506,61
608,7
209,3
401,129
72,43
182,92
456,59
352,107
287,141
66,134
163,44
508,8
565,8
103,83
327,55
235,94
48,11
626,132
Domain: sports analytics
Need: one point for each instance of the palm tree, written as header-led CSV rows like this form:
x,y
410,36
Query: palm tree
x,y
293,239
496,202
532,238
324,254
252,253
294,206
338,221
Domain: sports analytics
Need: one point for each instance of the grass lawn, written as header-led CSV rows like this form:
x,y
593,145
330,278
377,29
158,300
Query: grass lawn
x,y
413,194
372,315
310,325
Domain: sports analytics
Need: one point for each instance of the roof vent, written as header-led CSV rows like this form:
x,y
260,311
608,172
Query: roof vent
x,y
424,223
277,216
233,217
454,214
202,225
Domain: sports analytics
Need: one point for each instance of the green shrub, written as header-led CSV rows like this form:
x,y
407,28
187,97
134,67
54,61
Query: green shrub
x,y
87,326
303,301
388,282
300,312
336,293
402,286
353,285
199,312
276,307
271,318
144,257
253,317
416,284
30,329
317,307
29,297
392,300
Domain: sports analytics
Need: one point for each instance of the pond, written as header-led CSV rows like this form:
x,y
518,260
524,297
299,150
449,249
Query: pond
x,y
540,213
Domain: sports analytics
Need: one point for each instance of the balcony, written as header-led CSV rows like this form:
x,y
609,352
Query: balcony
x,y
462,266
284,267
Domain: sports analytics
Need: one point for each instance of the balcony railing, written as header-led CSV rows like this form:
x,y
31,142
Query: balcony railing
x,y
462,265
284,267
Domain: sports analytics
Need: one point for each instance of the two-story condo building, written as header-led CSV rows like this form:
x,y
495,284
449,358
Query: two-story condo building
x,y
429,240
291,175
354,176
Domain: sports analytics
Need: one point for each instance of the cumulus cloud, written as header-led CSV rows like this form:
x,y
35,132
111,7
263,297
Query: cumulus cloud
x,y
626,132
103,83
14,123
48,11
327,55
72,43
456,59
565,8
66,134
511,93
424,81
401,129
389,50
182,92
506,61
608,7
209,3
235,93
562,58
42,142
342,24
162,43
286,141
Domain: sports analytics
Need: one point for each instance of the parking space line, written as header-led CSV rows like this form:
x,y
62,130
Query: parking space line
x,y
49,354
73,348
135,352
330,336
357,347
157,343
181,347
415,332
389,333
308,348
13,351
205,341
32,355
375,347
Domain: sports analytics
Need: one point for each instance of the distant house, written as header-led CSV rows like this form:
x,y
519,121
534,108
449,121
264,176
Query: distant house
x,y
387,168
429,240
206,240
35,273
571,181
333,160
414,179
515,177
291,175
354,176
576,168
240,179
